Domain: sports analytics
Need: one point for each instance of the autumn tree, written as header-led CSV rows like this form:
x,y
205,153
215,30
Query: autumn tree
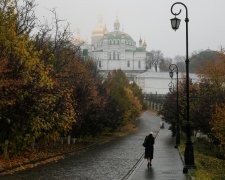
x,y
23,79
199,59
47,90
28,101
119,89
218,123
213,78
207,96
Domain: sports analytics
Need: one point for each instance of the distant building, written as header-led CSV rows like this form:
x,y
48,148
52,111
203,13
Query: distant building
x,y
116,50
158,82
83,44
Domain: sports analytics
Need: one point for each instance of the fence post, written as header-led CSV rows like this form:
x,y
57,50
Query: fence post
x,y
6,147
68,139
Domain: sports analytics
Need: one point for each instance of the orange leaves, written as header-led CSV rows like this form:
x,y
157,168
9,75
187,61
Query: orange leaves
x,y
125,96
48,91
213,81
214,72
133,99
218,123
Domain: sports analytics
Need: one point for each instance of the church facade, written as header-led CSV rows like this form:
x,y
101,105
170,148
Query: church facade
x,y
117,50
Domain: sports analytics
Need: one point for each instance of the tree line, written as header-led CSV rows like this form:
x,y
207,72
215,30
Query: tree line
x,y
197,59
207,103
47,90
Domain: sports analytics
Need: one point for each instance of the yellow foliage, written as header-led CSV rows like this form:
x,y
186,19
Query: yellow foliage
x,y
218,123
209,167
134,100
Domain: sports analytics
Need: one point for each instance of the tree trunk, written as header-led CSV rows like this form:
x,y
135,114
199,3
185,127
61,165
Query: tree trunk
x,y
6,148
68,140
73,140
33,145
61,139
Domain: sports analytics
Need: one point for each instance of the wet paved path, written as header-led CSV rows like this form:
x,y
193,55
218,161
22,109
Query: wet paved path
x,y
110,161
166,165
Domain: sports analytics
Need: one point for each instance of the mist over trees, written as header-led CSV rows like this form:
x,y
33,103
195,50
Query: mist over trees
x,y
197,60
180,62
156,58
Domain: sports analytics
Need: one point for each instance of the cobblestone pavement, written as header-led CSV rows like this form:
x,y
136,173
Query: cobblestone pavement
x,y
112,160
167,163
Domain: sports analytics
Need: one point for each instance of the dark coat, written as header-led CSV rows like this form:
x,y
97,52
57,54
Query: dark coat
x,y
149,146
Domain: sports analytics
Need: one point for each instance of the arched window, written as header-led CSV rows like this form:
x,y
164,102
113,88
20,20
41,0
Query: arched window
x,y
118,56
109,56
128,63
114,55
118,41
139,64
110,42
114,42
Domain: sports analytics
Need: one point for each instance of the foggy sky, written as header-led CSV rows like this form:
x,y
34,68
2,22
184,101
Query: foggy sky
x,y
149,19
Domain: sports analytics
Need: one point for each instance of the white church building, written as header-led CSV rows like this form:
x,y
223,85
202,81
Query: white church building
x,y
115,50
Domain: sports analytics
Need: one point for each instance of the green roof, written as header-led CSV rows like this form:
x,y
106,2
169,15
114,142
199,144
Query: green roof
x,y
117,35
140,49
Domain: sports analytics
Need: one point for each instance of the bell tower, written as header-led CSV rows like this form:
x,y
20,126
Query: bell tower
x,y
116,24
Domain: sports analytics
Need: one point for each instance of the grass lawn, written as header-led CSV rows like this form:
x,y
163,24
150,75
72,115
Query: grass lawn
x,y
209,166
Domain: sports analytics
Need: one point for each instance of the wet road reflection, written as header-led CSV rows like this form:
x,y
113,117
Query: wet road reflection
x,y
108,161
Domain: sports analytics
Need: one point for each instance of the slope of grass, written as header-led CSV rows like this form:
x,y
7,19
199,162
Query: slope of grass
x,y
208,165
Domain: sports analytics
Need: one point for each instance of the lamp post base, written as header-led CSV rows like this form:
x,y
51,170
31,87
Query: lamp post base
x,y
186,168
189,157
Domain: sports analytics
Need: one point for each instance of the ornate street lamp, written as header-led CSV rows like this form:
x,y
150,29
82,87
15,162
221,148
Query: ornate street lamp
x,y
171,74
189,151
173,68
175,23
171,86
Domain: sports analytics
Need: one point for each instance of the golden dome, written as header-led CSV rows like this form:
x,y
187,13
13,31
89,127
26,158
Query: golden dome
x,y
144,44
78,40
99,30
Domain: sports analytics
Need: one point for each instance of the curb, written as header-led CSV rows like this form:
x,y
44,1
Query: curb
x,y
33,162
182,159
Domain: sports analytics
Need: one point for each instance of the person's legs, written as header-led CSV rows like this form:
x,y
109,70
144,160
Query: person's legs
x,y
149,162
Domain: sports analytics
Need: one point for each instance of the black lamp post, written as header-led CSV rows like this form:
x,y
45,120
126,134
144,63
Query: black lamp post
x,y
173,68
189,151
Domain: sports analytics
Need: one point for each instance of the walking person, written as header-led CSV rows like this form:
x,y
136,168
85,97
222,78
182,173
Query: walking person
x,y
149,148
